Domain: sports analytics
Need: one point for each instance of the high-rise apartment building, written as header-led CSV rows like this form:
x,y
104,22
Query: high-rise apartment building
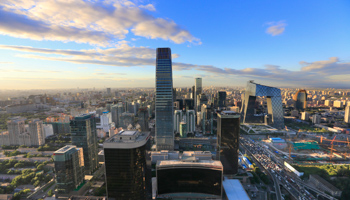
x,y
305,116
177,120
316,119
228,126
69,168
347,114
164,128
36,131
190,121
16,126
125,165
84,135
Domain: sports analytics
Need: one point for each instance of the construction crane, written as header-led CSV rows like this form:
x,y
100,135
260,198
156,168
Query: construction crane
x,y
332,147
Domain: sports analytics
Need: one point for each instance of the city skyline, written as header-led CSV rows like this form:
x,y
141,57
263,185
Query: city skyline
x,y
112,43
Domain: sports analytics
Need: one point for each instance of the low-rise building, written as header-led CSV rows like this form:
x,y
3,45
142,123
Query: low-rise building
x,y
324,185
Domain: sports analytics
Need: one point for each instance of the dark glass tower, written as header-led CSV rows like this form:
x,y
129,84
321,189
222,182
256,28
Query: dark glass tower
x,y
83,129
164,101
125,165
228,140
69,167
221,99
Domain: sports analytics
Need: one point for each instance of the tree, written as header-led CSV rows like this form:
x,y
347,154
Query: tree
x,y
40,167
50,193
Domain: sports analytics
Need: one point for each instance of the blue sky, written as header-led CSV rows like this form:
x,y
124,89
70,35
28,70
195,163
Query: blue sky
x,y
68,44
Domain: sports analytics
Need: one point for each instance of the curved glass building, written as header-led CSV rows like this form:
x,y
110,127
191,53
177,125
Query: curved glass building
x,y
300,99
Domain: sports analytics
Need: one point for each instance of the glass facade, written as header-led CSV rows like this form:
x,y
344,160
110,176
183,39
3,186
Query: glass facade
x,y
189,180
228,127
300,99
69,168
83,129
221,99
274,103
126,173
164,101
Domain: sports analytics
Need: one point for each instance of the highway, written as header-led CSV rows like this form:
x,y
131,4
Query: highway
x,y
276,169
275,181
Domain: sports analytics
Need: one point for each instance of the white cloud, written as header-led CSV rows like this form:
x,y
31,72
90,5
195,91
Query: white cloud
x,y
276,28
149,7
101,23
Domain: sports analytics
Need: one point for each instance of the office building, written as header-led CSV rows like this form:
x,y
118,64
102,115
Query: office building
x,y
177,120
164,128
127,119
183,129
347,114
221,99
197,92
189,179
274,103
143,118
117,111
84,135
108,91
228,125
125,165
316,119
189,104
69,168
300,99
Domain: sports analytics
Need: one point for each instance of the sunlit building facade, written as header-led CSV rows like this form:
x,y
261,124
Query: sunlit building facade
x,y
84,135
300,99
69,168
274,103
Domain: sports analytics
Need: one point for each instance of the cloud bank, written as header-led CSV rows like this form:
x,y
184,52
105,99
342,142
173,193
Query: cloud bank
x,y
310,74
100,23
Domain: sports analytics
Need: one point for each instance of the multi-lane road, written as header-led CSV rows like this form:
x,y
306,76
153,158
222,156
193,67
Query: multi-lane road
x,y
280,174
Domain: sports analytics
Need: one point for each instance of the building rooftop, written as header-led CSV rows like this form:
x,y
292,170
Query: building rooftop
x,y
166,164
64,149
127,139
234,189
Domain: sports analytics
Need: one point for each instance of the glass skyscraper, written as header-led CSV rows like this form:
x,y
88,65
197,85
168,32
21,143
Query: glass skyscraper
x,y
164,101
84,135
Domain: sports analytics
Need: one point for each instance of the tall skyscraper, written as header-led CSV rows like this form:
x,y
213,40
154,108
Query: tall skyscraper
x,y
164,128
228,126
108,91
83,129
347,114
69,168
125,165
197,92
